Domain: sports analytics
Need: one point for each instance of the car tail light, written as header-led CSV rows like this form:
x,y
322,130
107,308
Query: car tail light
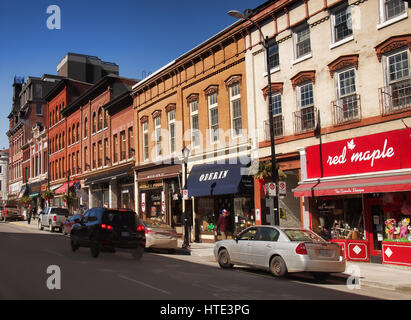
x,y
106,227
301,249
141,228
54,218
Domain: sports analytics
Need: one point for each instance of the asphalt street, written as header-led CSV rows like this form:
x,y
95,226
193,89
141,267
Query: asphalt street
x,y
26,255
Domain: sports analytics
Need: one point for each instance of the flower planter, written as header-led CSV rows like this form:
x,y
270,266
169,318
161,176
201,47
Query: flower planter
x,y
396,252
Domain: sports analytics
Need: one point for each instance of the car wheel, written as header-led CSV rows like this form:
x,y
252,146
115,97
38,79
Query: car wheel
x,y
94,250
278,267
224,259
74,245
321,276
39,226
137,253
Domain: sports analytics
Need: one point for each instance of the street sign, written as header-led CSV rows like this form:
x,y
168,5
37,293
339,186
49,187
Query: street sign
x,y
282,188
185,194
143,202
163,203
271,189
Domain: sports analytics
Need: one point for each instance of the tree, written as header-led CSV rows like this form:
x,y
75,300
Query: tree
x,y
264,171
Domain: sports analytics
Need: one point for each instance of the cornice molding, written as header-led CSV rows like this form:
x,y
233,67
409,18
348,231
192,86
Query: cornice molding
x,y
392,44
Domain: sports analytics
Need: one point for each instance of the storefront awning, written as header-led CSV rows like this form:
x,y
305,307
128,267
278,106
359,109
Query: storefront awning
x,y
219,179
380,184
159,173
108,176
63,188
305,189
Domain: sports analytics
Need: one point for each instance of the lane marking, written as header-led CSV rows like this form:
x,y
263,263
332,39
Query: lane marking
x,y
143,284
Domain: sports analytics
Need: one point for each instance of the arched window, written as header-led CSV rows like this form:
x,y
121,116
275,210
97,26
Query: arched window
x,y
77,131
63,140
94,122
85,127
105,119
69,137
73,132
100,118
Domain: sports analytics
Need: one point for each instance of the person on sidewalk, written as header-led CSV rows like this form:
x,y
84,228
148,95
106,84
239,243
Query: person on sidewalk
x,y
222,223
29,214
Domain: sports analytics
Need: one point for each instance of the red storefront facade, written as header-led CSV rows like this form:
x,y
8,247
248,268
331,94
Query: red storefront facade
x,y
358,192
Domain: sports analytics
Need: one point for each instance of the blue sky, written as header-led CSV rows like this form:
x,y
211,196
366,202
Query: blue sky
x,y
140,36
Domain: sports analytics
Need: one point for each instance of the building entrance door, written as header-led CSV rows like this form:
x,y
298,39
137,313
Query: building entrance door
x,y
375,218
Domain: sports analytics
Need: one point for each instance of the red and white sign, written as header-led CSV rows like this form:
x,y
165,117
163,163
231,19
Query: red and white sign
x,y
372,153
282,188
163,203
398,253
143,202
271,189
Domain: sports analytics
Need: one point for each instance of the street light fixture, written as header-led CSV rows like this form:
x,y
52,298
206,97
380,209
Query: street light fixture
x,y
274,172
186,244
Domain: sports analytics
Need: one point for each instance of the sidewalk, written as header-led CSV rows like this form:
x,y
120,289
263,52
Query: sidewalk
x,y
388,277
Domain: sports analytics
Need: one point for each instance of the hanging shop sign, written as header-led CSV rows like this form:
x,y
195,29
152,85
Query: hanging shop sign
x,y
143,202
371,153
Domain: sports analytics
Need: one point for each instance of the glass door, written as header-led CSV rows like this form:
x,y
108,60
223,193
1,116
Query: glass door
x,y
375,222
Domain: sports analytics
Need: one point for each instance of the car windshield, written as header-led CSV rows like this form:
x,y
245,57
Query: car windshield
x,y
60,211
154,223
302,235
117,218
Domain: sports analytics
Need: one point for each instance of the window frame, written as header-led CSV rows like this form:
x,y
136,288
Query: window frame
x,y
195,132
157,136
334,40
296,31
146,142
172,138
211,108
384,20
233,99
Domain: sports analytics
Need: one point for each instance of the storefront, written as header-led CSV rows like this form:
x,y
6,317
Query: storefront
x,y
159,194
214,187
358,192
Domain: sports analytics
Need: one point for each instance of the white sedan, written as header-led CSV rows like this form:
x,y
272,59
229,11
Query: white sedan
x,y
281,251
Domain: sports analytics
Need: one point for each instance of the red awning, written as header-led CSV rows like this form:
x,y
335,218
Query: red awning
x,y
393,183
63,188
304,189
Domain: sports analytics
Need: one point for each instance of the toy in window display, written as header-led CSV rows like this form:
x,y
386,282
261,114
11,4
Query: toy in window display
x,y
390,228
404,228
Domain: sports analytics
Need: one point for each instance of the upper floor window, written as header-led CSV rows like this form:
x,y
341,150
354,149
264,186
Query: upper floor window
x,y
105,119
100,119
302,45
195,133
172,130
213,116
341,23
305,115
122,145
346,107
94,122
235,106
390,9
145,141
85,127
39,109
276,107
130,142
273,55
157,135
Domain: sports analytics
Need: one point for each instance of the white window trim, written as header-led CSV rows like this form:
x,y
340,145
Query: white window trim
x,y
145,132
272,70
232,99
158,144
170,122
386,65
307,55
337,81
303,58
341,42
298,89
211,107
384,23
192,114
332,25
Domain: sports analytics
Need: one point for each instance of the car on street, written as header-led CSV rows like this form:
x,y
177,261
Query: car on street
x,y
11,211
104,229
52,218
68,224
160,235
281,251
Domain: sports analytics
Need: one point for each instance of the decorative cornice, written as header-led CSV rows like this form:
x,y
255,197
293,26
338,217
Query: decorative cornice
x,y
192,97
233,79
392,44
156,113
211,89
170,107
275,87
342,62
144,119
302,77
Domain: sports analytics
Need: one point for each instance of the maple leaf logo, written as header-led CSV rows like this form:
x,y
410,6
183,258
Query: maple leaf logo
x,y
351,144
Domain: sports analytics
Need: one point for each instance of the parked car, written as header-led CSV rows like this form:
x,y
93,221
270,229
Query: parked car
x,y
12,212
281,251
52,218
160,235
68,224
108,230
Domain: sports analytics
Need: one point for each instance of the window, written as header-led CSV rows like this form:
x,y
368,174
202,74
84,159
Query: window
x,y
100,119
78,131
396,95
145,141
267,234
69,137
391,9
94,122
305,119
85,128
73,133
100,153
62,142
195,133
213,116
273,56
172,130
39,110
276,107
157,135
341,23
105,119
123,145
235,106
106,152
86,164
302,44
130,142
115,138
347,103
94,155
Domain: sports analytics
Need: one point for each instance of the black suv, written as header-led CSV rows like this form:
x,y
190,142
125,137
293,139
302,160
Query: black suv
x,y
103,229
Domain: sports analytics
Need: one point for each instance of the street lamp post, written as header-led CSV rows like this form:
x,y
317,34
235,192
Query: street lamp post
x,y
186,243
274,172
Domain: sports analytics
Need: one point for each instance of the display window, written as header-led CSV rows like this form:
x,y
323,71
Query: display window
x,y
396,208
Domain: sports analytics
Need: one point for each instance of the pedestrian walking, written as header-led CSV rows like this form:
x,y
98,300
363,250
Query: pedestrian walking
x,y
222,223
30,214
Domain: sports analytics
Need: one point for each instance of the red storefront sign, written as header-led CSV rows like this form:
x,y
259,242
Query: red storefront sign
x,y
354,250
398,253
372,153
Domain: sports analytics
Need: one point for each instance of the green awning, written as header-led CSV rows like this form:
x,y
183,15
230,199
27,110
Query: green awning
x,y
34,195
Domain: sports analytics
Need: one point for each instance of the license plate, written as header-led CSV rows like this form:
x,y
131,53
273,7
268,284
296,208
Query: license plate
x,y
324,253
125,234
